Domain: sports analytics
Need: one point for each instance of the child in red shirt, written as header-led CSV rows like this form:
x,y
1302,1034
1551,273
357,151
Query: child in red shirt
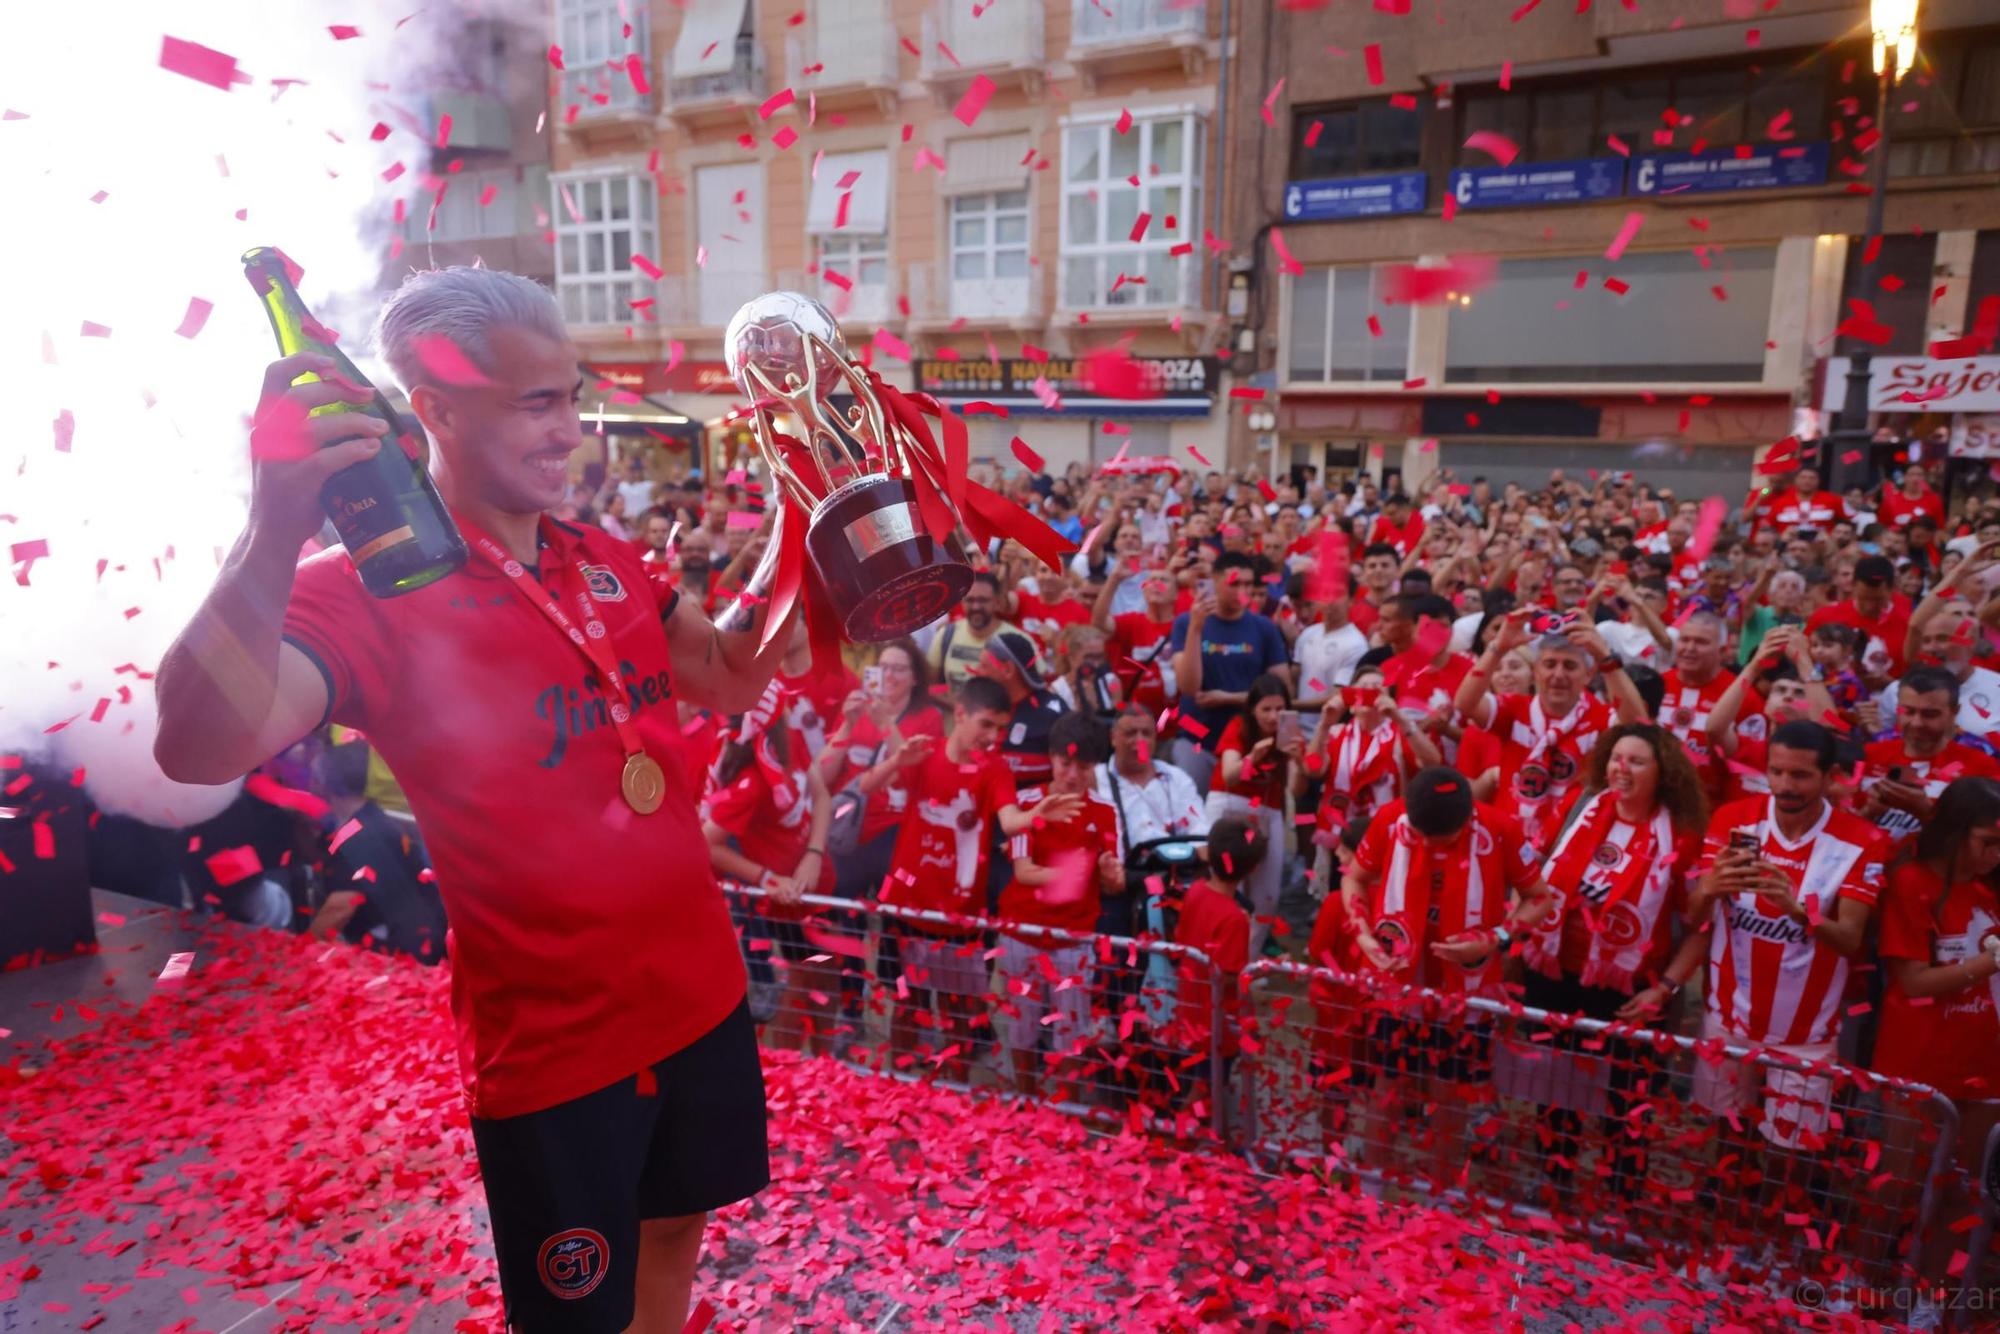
x,y
1214,922
957,792
766,796
1060,870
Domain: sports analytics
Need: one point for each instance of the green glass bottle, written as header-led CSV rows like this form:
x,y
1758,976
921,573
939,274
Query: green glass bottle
x,y
386,509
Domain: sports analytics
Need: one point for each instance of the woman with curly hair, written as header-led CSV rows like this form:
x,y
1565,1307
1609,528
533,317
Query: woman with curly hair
x,y
1619,873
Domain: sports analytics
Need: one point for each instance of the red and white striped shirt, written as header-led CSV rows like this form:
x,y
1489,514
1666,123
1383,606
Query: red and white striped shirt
x,y
1770,981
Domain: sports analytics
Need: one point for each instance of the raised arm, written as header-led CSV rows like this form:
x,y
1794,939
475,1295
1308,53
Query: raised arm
x,y
231,692
724,664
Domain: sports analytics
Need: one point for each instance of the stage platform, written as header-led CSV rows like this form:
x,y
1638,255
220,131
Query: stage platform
x,y
276,1141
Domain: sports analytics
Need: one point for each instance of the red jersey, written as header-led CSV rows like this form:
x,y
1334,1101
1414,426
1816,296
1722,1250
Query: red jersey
x,y
1071,849
940,862
815,699
1423,894
1950,1042
500,732
1046,620
1542,758
1363,772
1890,630
771,822
1425,688
1364,614
1138,652
1898,509
1770,981
1818,511
1684,711
1212,922
889,803
1404,539
1262,780
1956,760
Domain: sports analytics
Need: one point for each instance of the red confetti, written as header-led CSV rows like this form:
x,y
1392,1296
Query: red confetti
x,y
1030,460
1372,54
1626,232
1124,125
1139,225
775,103
196,316
974,101
200,63
343,32
1502,149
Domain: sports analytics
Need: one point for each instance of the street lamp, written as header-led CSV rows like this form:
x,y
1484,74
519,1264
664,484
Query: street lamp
x,y
1893,24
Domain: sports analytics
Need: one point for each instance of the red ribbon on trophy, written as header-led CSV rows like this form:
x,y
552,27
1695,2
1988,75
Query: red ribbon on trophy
x,y
875,503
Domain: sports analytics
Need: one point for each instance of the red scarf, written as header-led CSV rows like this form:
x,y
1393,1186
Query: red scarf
x,y
1622,927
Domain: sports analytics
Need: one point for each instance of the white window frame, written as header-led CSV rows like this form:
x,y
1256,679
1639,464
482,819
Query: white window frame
x,y
849,254
577,283
501,218
591,34
1110,253
1399,368
990,293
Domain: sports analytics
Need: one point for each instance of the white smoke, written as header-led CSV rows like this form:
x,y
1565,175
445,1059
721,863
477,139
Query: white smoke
x,y
132,192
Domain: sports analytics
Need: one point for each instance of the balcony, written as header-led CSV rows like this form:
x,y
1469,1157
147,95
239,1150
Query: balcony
x,y
607,105
1134,288
722,95
845,65
863,307
939,301
1121,36
1003,42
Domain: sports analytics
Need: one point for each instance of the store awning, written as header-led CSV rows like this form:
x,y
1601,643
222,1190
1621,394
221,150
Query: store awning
x,y
707,44
989,164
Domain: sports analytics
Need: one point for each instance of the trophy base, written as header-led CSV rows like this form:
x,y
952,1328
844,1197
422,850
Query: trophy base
x,y
882,571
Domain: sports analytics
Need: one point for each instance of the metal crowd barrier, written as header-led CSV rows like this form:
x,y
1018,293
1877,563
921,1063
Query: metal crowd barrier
x,y
1093,1025
1747,1165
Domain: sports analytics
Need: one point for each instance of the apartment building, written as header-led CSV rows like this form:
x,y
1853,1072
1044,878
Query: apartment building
x,y
1534,236
980,190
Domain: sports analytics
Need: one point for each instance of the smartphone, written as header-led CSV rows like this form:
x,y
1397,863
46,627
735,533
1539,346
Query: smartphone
x,y
1290,733
1205,588
1744,839
871,680
1895,773
1361,697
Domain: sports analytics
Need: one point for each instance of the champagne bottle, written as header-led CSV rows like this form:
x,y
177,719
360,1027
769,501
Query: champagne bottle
x,y
386,508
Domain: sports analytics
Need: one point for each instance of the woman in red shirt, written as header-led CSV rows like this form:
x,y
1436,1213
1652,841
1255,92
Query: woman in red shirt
x,y
1940,946
1253,777
895,698
766,798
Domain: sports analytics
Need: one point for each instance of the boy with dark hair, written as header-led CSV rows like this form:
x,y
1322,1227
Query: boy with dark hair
x,y
958,791
1060,871
383,893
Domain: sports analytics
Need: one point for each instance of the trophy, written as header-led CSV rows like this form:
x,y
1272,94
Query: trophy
x,y
883,526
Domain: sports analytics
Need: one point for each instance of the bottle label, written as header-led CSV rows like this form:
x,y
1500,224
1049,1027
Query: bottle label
x,y
368,524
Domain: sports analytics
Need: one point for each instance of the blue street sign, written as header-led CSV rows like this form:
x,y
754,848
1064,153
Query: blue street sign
x,y
1356,197
1528,183
1765,167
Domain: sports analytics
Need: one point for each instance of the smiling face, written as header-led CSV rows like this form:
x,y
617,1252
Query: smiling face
x,y
507,442
1632,770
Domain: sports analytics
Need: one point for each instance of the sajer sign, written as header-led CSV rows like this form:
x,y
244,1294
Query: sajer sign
x,y
1920,384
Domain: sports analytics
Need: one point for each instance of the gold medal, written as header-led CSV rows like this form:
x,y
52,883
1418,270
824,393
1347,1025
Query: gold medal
x,y
644,783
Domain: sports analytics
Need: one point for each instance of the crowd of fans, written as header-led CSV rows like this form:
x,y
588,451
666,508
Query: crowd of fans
x,y
1591,745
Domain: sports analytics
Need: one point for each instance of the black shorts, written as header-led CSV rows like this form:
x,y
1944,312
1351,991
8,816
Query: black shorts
x,y
567,1186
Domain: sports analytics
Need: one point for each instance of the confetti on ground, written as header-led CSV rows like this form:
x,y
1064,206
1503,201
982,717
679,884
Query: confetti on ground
x,y
290,1132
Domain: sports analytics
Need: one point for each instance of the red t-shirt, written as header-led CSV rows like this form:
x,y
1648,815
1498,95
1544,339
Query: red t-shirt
x,y
889,803
1898,509
1071,848
1134,637
818,695
1956,760
1046,620
1950,1042
940,862
1426,687
569,971
1891,629
1212,922
771,828
1263,782
701,742
1404,539
1364,614
1771,981
1821,510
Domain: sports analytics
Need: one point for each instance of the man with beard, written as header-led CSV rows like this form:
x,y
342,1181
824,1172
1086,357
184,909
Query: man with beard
x,y
960,645
1904,775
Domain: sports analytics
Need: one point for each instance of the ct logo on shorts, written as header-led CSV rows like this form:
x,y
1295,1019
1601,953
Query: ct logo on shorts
x,y
572,1263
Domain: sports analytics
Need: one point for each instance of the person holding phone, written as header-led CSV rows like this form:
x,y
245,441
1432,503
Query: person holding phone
x,y
1903,775
1257,772
1363,749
